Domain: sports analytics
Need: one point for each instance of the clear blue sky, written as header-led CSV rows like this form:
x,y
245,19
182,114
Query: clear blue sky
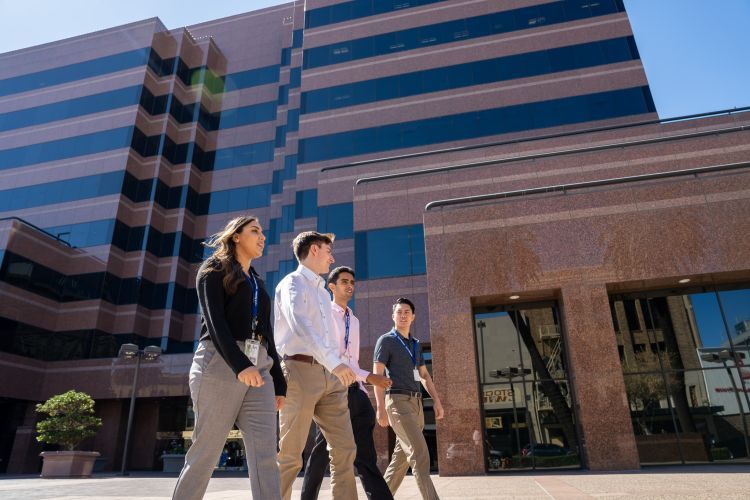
x,y
696,52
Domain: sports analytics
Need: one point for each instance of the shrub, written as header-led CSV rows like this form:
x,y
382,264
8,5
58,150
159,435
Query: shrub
x,y
70,419
721,454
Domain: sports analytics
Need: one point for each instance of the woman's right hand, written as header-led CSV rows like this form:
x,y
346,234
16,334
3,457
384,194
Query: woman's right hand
x,y
250,376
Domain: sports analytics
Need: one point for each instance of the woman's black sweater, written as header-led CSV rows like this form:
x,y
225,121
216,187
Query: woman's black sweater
x,y
227,319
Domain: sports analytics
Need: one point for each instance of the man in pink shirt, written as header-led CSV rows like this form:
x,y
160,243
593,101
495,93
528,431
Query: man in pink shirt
x,y
346,327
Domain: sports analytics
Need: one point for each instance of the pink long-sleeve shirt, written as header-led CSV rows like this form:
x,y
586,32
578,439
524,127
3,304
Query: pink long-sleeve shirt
x,y
350,354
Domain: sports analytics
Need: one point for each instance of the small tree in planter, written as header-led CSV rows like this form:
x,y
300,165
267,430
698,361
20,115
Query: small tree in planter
x,y
173,457
70,419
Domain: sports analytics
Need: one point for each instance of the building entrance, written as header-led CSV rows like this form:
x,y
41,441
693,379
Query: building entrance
x,y
528,418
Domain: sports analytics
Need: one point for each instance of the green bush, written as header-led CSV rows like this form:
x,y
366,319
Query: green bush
x,y
70,419
721,454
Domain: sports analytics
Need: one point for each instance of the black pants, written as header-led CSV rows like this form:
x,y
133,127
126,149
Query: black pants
x,y
363,423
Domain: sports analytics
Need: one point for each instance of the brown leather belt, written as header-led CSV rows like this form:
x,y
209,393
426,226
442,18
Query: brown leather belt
x,y
301,357
404,392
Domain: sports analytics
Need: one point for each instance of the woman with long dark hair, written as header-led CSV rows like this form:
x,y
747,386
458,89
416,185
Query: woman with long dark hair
x,y
236,376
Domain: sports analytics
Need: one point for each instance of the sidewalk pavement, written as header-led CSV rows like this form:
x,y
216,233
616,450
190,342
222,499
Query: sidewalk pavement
x,y
693,482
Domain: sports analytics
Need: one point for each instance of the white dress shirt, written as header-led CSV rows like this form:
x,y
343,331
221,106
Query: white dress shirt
x,y
348,354
303,318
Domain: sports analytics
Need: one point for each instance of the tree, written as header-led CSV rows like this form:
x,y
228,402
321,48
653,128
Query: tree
x,y
546,384
70,419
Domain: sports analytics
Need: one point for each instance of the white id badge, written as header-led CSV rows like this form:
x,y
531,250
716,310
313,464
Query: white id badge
x,y
251,350
417,378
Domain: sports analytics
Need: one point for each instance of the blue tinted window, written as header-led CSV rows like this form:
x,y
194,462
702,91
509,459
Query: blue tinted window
x,y
286,56
295,78
356,9
280,140
190,152
292,120
306,203
287,218
290,167
337,219
80,188
274,231
247,154
159,65
564,111
57,286
27,340
283,94
467,74
86,234
252,78
297,39
248,115
66,148
189,76
390,252
272,279
70,109
194,76
232,200
287,266
183,113
73,72
462,29
277,184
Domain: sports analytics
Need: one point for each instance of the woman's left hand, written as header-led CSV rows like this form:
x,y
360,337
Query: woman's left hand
x,y
279,402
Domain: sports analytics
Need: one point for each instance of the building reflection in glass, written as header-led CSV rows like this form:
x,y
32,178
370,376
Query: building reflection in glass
x,y
687,403
528,416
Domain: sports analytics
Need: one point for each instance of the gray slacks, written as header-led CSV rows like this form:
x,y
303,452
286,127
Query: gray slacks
x,y
219,401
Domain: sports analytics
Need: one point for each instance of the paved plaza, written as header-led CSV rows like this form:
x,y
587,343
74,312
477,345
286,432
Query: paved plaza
x,y
705,482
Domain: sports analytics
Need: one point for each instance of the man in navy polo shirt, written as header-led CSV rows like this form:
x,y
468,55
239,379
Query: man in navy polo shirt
x,y
399,355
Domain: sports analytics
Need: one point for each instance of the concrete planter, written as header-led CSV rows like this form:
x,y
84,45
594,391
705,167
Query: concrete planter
x,y
68,463
173,462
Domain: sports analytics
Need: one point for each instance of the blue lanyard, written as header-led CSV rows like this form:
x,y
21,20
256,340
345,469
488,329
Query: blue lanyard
x,y
412,352
254,311
346,326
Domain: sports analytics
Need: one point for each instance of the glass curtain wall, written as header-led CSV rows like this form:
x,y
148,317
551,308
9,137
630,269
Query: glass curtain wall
x,y
685,358
528,419
430,432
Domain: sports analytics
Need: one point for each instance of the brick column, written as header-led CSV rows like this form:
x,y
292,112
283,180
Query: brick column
x,y
596,374
454,370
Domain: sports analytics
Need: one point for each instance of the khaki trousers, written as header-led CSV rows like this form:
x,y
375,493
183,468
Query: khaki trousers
x,y
314,394
406,416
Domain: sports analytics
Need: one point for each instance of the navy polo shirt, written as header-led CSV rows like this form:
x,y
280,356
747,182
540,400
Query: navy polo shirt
x,y
399,367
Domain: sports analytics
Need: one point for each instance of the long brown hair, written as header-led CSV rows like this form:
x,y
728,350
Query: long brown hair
x,y
225,252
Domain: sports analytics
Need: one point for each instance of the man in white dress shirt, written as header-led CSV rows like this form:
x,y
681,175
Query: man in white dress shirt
x,y
341,285
317,378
